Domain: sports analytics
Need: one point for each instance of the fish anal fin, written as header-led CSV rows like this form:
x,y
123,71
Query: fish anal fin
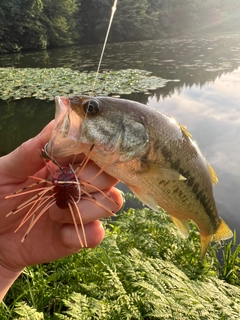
x,y
164,173
205,241
182,226
213,174
145,198
223,232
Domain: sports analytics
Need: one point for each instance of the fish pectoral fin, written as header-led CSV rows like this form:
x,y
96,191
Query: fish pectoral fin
x,y
182,226
204,245
145,198
223,232
164,173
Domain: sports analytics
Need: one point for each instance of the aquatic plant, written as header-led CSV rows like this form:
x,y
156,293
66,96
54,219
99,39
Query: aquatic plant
x,y
46,83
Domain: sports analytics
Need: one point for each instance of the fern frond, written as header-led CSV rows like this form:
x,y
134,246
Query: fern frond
x,y
28,313
142,270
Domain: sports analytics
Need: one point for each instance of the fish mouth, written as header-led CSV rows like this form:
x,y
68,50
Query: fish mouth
x,y
66,132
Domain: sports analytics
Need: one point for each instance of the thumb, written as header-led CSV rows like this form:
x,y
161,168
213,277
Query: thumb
x,y
26,159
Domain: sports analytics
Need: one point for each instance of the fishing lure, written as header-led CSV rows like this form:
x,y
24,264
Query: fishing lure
x,y
64,188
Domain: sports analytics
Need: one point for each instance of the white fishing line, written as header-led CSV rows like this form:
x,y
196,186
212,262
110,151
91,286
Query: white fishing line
x,y
114,8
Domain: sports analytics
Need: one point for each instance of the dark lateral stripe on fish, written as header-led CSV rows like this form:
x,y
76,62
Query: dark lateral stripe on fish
x,y
200,195
195,188
206,203
175,165
190,182
166,153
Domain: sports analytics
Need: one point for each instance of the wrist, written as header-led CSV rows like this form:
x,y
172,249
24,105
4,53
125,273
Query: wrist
x,y
7,278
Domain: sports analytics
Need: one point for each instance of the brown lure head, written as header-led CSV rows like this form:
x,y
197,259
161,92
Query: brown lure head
x,y
66,189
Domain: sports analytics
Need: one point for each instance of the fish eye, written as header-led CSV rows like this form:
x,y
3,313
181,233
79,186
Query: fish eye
x,y
91,107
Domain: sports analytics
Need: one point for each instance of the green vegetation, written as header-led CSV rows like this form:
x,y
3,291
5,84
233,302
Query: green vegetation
x,y
37,24
44,83
142,270
230,271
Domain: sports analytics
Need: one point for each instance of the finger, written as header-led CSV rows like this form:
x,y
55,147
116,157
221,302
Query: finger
x,y
91,180
98,207
27,158
73,159
94,234
89,176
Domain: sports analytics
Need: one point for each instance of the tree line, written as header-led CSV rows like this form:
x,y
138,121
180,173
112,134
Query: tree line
x,y
38,24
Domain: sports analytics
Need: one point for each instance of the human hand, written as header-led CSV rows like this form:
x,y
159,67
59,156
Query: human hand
x,y
54,235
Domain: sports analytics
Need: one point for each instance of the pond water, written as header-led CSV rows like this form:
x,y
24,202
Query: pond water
x,y
204,95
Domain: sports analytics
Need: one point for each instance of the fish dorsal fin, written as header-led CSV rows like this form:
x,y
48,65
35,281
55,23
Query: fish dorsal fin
x,y
223,232
185,130
164,173
145,198
213,174
182,226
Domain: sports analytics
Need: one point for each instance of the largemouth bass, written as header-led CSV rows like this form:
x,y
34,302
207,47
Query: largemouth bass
x,y
152,154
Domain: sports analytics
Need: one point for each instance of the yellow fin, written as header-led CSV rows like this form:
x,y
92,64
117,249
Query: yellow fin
x,y
164,173
204,245
213,174
145,198
185,130
223,232
182,226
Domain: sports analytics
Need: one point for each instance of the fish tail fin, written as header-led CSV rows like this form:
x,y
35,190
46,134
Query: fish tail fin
x,y
223,233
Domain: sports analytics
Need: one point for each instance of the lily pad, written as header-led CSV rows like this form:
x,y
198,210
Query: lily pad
x,y
44,84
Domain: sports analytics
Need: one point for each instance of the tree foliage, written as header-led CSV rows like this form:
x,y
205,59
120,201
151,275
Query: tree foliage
x,y
20,26
57,18
27,24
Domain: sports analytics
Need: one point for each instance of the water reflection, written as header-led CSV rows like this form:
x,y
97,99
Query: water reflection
x,y
22,119
190,60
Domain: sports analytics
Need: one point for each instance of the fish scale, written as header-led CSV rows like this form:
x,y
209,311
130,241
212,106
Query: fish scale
x,y
151,153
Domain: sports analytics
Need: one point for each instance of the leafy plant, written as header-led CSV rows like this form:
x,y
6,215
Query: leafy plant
x,y
230,268
142,270
27,312
45,83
